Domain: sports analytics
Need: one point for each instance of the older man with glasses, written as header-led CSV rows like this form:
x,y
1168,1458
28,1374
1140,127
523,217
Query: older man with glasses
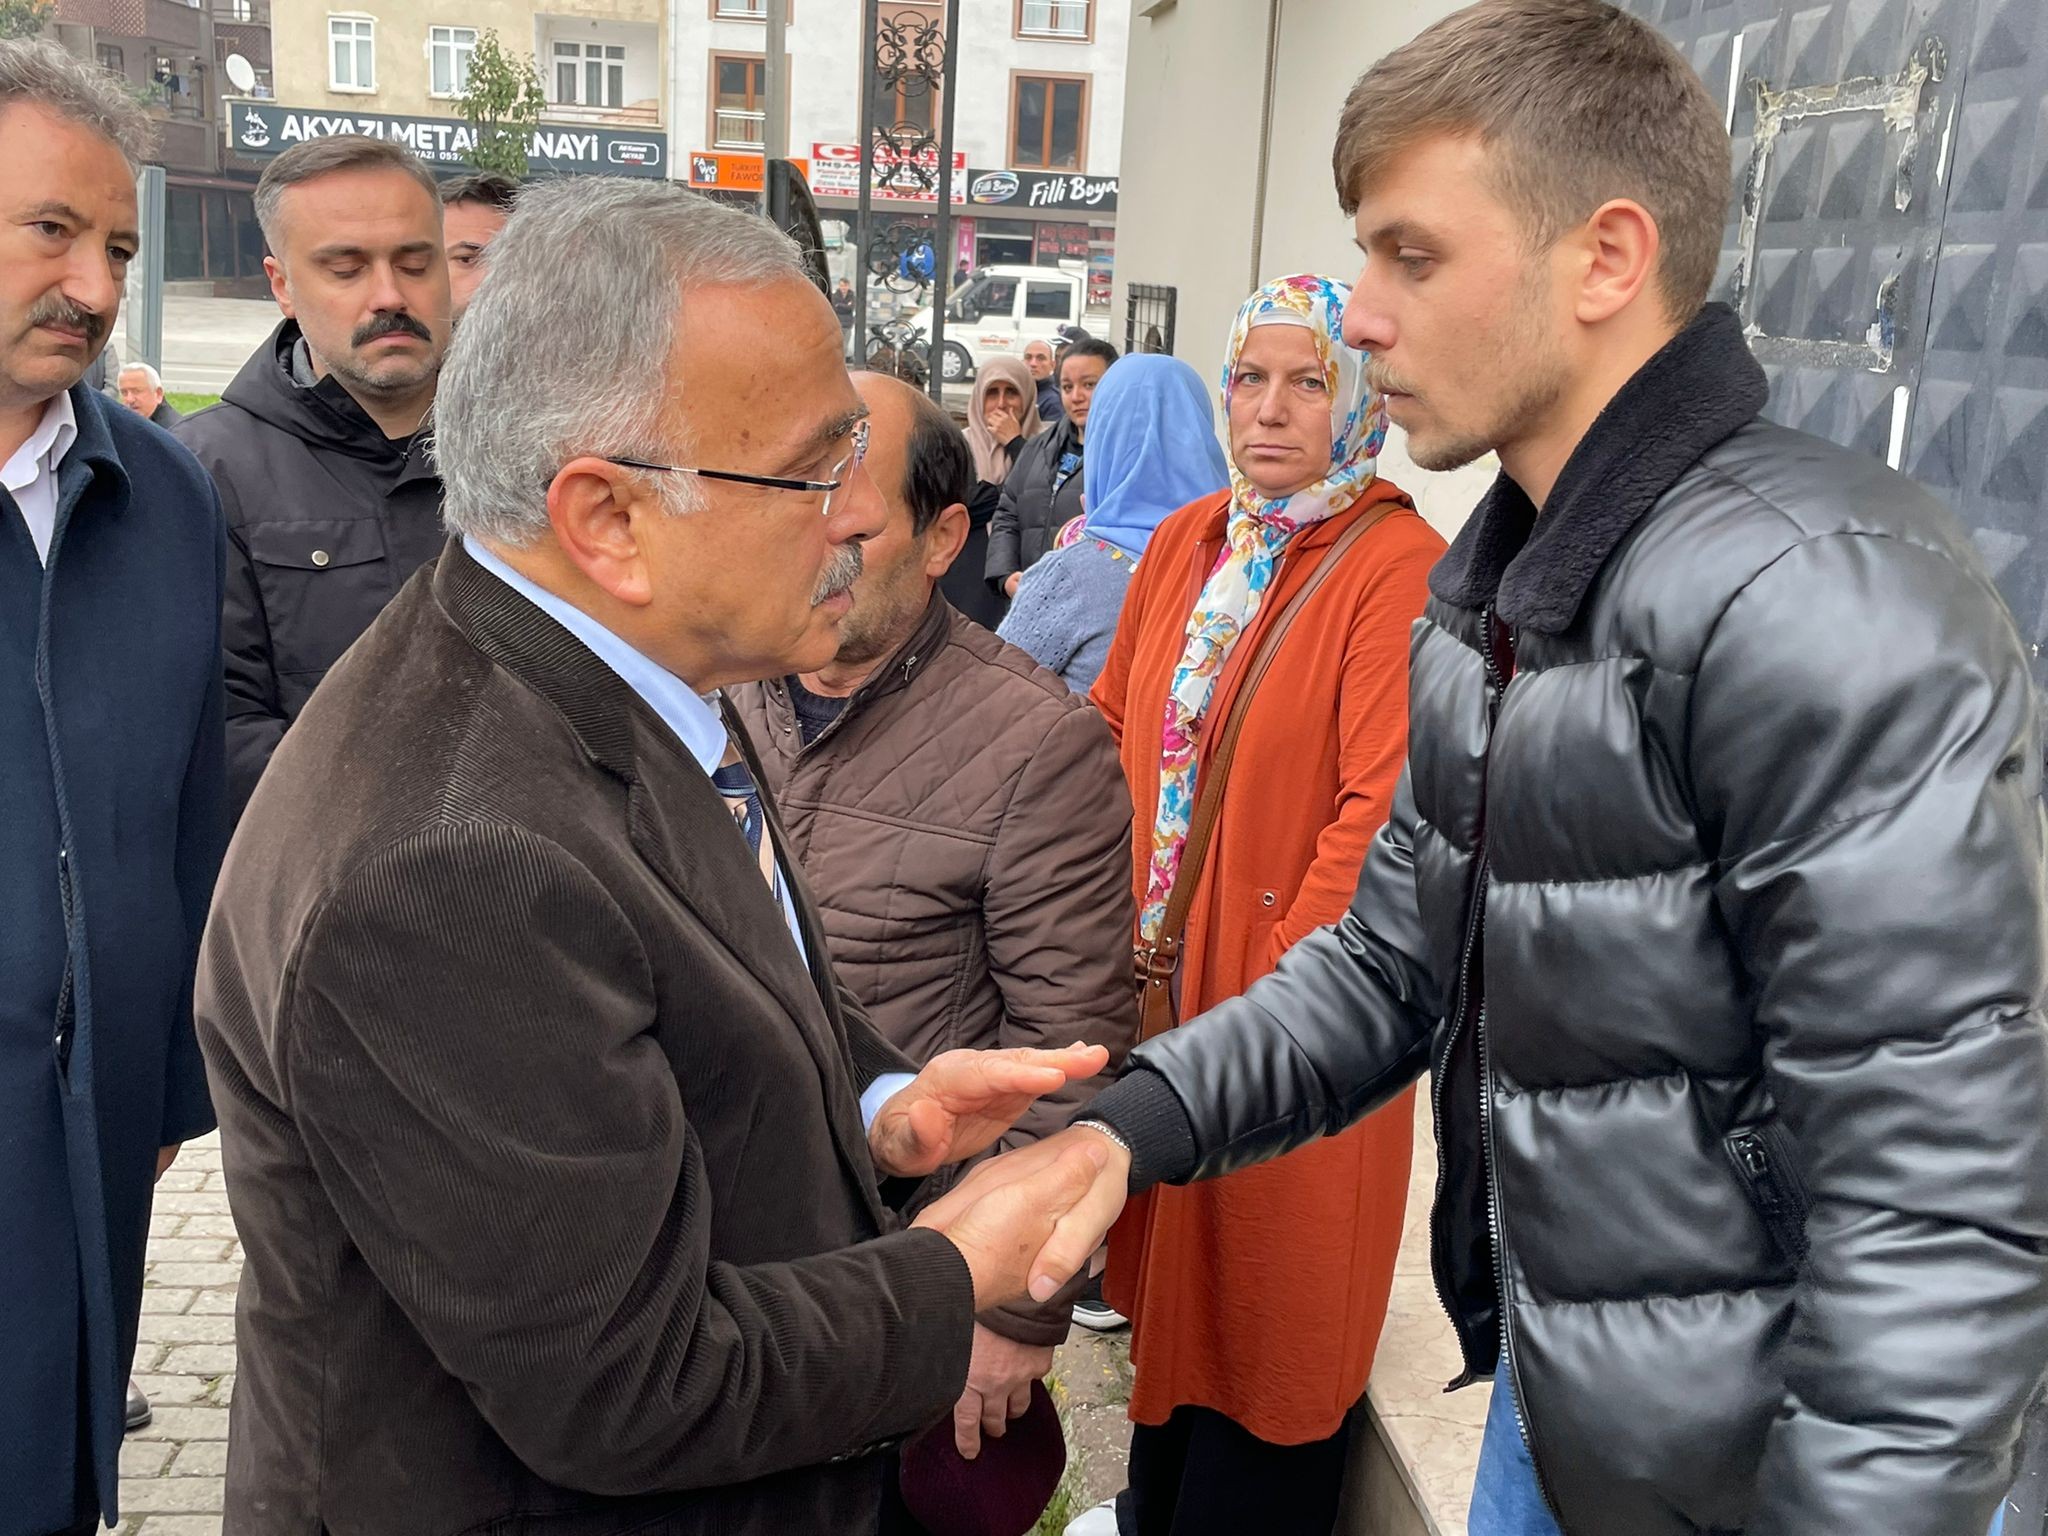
x,y
543,1115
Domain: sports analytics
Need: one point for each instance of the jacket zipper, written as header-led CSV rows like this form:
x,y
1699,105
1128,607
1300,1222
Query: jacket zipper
x,y
1497,681
1475,918
1776,1195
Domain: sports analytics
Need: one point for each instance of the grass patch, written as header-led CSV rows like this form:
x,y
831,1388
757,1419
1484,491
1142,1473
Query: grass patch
x,y
1066,1499
185,405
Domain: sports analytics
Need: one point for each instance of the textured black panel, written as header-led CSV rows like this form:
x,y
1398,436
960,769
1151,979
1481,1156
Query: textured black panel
x,y
1898,249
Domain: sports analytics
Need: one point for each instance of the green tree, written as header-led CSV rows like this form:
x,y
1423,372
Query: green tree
x,y
24,18
501,100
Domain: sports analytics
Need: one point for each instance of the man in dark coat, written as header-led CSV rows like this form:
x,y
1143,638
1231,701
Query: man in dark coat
x,y
542,1113
1712,898
316,447
111,793
142,391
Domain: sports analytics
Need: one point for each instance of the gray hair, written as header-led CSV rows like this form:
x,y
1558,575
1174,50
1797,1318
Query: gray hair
x,y
323,157
40,74
156,380
565,349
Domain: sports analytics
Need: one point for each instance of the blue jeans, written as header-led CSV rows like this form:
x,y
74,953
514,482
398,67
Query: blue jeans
x,y
1506,1499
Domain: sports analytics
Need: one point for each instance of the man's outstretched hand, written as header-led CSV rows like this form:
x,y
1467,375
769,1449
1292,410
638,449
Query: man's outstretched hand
x,y
1027,1221
964,1100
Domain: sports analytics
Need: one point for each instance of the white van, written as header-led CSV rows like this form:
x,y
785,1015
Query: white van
x,y
999,310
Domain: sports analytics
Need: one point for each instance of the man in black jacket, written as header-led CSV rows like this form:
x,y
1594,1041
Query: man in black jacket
x,y
1713,896
331,499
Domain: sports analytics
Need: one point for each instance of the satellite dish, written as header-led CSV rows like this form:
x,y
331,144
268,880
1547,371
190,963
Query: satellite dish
x,y
241,72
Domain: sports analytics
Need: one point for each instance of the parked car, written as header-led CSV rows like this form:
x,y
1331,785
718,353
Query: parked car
x,y
1001,309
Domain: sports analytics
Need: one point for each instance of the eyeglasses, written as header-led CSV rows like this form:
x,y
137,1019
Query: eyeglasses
x,y
841,472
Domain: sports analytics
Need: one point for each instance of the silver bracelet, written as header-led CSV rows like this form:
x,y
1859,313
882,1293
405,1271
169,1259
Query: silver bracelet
x,y
1104,1128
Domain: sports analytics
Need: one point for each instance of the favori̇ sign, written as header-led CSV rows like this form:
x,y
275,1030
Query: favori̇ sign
x,y
835,172
259,130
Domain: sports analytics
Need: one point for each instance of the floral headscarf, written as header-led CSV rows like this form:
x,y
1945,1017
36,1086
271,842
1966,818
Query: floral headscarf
x,y
1258,533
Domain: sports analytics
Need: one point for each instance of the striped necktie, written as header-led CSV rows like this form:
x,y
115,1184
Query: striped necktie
x,y
743,798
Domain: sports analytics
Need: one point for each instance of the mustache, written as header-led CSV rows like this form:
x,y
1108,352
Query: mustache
x,y
55,309
840,575
392,323
1384,382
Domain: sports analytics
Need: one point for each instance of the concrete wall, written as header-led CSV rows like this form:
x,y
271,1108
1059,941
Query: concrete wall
x,y
299,46
1188,208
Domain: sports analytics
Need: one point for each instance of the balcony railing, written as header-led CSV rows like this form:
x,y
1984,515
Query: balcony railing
x,y
642,114
732,129
1054,18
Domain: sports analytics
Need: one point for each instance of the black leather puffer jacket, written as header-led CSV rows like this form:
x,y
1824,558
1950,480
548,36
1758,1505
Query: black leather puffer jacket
x,y
1713,897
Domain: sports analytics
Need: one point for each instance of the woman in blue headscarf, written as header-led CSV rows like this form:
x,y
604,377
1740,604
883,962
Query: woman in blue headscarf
x,y
1152,449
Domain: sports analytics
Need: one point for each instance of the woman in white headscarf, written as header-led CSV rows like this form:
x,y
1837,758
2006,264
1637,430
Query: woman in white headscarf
x,y
1002,416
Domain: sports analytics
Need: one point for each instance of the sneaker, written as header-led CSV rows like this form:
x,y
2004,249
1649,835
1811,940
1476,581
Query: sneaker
x,y
139,1411
1099,1521
1097,1315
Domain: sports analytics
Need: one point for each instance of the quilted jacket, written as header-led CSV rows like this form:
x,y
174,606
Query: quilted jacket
x,y
1712,899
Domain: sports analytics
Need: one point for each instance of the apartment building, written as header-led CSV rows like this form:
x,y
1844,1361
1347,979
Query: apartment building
x,y
396,68
180,59
1038,117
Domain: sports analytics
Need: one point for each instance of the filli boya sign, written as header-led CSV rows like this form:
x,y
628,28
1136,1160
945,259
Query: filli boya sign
x,y
1042,190
261,129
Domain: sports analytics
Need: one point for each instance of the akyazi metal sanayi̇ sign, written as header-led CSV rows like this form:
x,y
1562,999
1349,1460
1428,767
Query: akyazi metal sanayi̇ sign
x,y
262,129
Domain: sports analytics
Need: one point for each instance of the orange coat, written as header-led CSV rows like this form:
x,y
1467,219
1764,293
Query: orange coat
x,y
1261,1295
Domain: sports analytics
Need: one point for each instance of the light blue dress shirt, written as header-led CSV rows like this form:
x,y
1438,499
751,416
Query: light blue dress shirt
x,y
693,717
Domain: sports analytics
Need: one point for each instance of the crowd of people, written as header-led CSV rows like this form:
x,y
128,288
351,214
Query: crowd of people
x,y
717,912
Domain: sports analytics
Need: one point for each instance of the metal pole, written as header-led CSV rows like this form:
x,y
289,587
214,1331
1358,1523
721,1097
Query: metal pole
x,y
145,296
942,223
870,22
775,132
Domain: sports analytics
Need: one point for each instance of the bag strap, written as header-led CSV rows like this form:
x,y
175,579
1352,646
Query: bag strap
x,y
1214,773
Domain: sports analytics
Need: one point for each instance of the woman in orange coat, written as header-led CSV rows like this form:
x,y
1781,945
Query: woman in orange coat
x,y
1257,1299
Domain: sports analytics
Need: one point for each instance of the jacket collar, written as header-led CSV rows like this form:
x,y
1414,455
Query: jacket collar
x,y
1536,571
590,696
897,673
92,457
277,385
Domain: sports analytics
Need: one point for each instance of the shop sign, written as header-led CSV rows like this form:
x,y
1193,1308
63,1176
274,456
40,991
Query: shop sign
x,y
259,130
1042,190
712,170
835,172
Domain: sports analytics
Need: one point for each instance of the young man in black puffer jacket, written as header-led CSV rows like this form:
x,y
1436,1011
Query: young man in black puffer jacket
x,y
1713,897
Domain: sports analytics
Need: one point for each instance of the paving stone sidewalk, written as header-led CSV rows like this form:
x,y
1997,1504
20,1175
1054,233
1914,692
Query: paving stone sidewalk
x,y
171,1471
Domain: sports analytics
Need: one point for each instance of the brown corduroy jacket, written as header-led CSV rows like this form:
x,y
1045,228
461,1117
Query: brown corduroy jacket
x,y
966,830
542,1139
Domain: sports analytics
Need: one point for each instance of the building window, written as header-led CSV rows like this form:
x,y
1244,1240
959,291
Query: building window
x,y
351,53
739,97
1048,122
741,10
110,58
448,51
242,10
590,74
1053,18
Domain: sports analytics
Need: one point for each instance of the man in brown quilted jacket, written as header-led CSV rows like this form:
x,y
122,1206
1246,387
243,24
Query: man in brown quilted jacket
x,y
964,826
